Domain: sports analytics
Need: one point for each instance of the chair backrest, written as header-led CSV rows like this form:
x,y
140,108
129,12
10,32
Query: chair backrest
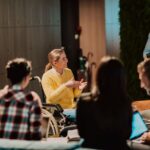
x,y
35,85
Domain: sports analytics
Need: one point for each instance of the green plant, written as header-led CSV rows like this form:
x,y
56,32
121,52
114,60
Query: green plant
x,y
134,28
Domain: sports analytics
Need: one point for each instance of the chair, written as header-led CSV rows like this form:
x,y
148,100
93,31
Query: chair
x,y
35,84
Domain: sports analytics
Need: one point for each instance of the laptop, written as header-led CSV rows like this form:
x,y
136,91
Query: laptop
x,y
138,126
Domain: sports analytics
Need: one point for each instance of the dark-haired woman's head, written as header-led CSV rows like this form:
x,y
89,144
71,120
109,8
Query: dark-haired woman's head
x,y
111,80
17,69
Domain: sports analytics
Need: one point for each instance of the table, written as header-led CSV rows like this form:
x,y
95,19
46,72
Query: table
x,y
71,113
49,144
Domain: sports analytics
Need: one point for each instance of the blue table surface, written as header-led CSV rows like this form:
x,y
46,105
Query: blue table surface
x,y
71,113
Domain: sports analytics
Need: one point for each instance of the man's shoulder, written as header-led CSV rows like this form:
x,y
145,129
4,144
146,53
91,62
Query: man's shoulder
x,y
5,98
19,97
29,97
8,95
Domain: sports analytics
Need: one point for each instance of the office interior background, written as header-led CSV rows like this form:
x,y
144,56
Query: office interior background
x,y
31,28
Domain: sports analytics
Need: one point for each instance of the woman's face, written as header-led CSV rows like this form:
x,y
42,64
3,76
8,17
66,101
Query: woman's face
x,y
62,62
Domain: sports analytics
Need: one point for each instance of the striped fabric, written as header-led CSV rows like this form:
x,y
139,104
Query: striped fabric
x,y
20,116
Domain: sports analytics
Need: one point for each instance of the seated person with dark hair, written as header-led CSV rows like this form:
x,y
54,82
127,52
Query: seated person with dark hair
x,y
20,112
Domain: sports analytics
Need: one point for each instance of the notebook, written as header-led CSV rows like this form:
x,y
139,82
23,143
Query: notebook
x,y
138,126
73,135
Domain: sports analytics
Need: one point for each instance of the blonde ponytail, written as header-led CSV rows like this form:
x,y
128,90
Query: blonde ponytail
x,y
53,55
47,67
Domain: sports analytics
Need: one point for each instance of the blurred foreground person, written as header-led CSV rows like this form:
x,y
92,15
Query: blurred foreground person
x,y
20,112
104,120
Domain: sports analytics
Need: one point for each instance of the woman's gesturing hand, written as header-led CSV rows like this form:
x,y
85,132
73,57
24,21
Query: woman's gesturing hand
x,y
72,83
82,84
76,84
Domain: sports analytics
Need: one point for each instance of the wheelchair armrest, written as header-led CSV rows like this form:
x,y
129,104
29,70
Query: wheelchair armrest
x,y
55,106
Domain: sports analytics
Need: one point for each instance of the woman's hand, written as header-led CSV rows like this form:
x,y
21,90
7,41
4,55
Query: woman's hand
x,y
82,84
76,84
72,84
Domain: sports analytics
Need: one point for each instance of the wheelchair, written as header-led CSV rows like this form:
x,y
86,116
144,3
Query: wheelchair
x,y
54,122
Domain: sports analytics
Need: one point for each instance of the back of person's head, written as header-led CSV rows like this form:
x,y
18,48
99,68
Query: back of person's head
x,y
53,55
111,78
17,69
144,67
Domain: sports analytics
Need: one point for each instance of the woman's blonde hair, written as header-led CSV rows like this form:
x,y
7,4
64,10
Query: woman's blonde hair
x,y
53,55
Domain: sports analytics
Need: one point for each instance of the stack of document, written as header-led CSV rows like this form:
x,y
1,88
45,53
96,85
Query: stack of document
x,y
73,135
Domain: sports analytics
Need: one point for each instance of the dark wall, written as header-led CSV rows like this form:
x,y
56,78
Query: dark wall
x,y
28,28
69,26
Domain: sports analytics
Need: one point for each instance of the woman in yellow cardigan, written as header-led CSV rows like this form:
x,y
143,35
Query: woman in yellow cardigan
x,y
58,81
